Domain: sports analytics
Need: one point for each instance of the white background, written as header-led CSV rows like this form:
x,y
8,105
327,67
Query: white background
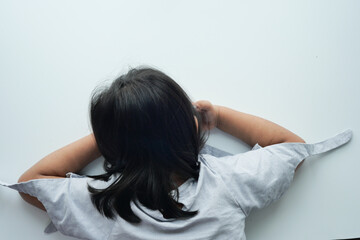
x,y
296,63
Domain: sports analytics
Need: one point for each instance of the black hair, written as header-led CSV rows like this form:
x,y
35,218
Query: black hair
x,y
145,129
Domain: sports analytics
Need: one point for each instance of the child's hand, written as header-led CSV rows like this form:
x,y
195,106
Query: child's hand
x,y
209,114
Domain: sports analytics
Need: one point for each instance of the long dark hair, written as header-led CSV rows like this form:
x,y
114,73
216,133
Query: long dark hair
x,y
145,129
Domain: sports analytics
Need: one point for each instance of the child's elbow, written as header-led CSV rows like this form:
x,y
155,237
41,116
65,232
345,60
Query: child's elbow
x,y
300,140
24,178
28,198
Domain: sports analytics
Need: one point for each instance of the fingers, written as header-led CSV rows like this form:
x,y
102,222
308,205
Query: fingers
x,y
203,105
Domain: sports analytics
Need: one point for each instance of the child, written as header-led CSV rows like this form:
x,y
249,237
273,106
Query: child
x,y
161,181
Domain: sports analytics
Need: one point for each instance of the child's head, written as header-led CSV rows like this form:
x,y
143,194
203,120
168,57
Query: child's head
x,y
145,127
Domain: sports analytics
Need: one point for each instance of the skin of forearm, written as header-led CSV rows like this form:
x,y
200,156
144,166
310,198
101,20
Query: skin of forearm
x,y
71,158
252,129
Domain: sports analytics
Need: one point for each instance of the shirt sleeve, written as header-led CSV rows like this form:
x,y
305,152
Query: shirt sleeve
x,y
213,151
68,204
258,177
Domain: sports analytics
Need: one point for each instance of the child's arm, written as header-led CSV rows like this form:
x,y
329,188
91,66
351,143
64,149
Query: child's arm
x,y
252,129
71,158
248,128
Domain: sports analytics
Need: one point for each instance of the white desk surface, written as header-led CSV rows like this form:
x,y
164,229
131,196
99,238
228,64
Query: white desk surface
x,y
294,63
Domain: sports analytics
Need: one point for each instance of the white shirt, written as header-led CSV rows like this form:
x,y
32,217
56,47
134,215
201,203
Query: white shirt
x,y
228,189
